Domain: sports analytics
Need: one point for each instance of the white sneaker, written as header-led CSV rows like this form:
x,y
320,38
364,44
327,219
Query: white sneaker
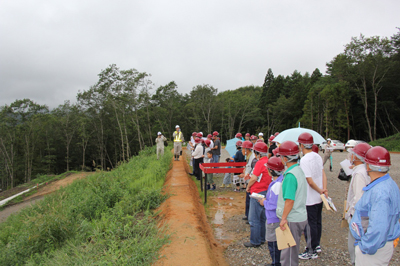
x,y
318,249
307,256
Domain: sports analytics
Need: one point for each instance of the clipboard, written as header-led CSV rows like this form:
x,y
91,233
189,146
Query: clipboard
x,y
328,203
284,238
344,223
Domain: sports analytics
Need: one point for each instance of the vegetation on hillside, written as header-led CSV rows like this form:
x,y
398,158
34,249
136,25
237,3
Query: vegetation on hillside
x,y
358,98
391,143
104,219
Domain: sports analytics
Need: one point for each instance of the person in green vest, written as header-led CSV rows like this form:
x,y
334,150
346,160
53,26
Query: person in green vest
x,y
291,207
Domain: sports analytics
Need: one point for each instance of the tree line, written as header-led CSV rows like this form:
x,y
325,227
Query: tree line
x,y
114,119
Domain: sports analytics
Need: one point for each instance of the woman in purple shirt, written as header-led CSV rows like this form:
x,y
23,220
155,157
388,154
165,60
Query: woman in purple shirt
x,y
275,169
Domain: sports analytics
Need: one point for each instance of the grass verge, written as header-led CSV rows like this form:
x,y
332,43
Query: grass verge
x,y
104,219
391,143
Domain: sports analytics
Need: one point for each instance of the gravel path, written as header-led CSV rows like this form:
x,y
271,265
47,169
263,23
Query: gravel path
x,y
334,238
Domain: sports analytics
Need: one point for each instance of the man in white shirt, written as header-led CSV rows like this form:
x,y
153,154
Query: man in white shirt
x,y
359,180
312,166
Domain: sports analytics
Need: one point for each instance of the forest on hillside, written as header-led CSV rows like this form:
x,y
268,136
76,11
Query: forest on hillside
x,y
358,97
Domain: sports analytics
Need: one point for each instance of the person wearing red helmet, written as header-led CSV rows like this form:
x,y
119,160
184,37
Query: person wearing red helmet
x,y
239,136
359,180
291,207
259,182
198,156
272,146
275,169
209,137
208,159
375,222
247,136
253,139
311,164
217,147
238,157
251,159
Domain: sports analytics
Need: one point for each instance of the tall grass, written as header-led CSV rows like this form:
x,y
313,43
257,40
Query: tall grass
x,y
104,219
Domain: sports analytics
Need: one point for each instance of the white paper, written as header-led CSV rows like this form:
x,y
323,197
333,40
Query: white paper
x,y
345,164
256,196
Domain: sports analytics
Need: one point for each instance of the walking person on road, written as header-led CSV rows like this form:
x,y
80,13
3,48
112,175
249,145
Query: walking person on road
x,y
160,144
178,139
328,153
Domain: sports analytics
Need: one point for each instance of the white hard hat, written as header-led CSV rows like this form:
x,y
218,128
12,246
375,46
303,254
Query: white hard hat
x,y
177,126
201,133
260,134
159,133
328,139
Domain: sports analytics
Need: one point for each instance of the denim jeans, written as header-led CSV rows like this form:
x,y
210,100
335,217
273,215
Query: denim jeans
x,y
227,179
275,253
216,158
257,220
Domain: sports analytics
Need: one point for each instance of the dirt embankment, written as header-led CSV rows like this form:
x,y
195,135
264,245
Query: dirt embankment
x,y
47,189
192,239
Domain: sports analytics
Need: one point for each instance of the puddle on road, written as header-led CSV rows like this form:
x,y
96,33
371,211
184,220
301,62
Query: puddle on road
x,y
221,209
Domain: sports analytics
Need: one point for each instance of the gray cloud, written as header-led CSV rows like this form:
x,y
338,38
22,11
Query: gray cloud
x,y
49,50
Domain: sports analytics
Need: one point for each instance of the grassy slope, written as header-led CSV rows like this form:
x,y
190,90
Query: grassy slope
x,y
391,143
104,219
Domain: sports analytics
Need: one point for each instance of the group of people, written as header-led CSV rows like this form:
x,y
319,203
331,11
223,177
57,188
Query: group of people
x,y
292,181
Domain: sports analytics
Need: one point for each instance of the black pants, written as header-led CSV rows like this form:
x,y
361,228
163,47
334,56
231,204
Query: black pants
x,y
314,216
246,213
198,171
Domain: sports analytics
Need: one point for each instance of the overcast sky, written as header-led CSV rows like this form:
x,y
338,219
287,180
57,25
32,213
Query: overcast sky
x,y
49,50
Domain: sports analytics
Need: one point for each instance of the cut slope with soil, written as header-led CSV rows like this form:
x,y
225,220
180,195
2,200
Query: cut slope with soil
x,y
192,239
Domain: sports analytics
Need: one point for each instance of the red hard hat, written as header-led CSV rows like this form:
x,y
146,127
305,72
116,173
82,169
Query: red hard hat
x,y
315,148
194,134
215,133
377,156
247,135
253,137
261,147
276,134
305,138
275,163
197,140
260,140
209,136
288,148
207,142
247,144
238,135
199,135
271,138
239,143
361,149
275,151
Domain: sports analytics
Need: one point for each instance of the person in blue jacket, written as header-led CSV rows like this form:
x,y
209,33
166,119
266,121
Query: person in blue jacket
x,y
375,223
275,168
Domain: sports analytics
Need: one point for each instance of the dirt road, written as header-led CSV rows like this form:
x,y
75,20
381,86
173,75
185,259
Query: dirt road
x,y
47,189
192,240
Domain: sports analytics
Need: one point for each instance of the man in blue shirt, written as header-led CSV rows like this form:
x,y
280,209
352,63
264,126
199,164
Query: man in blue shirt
x,y
375,223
